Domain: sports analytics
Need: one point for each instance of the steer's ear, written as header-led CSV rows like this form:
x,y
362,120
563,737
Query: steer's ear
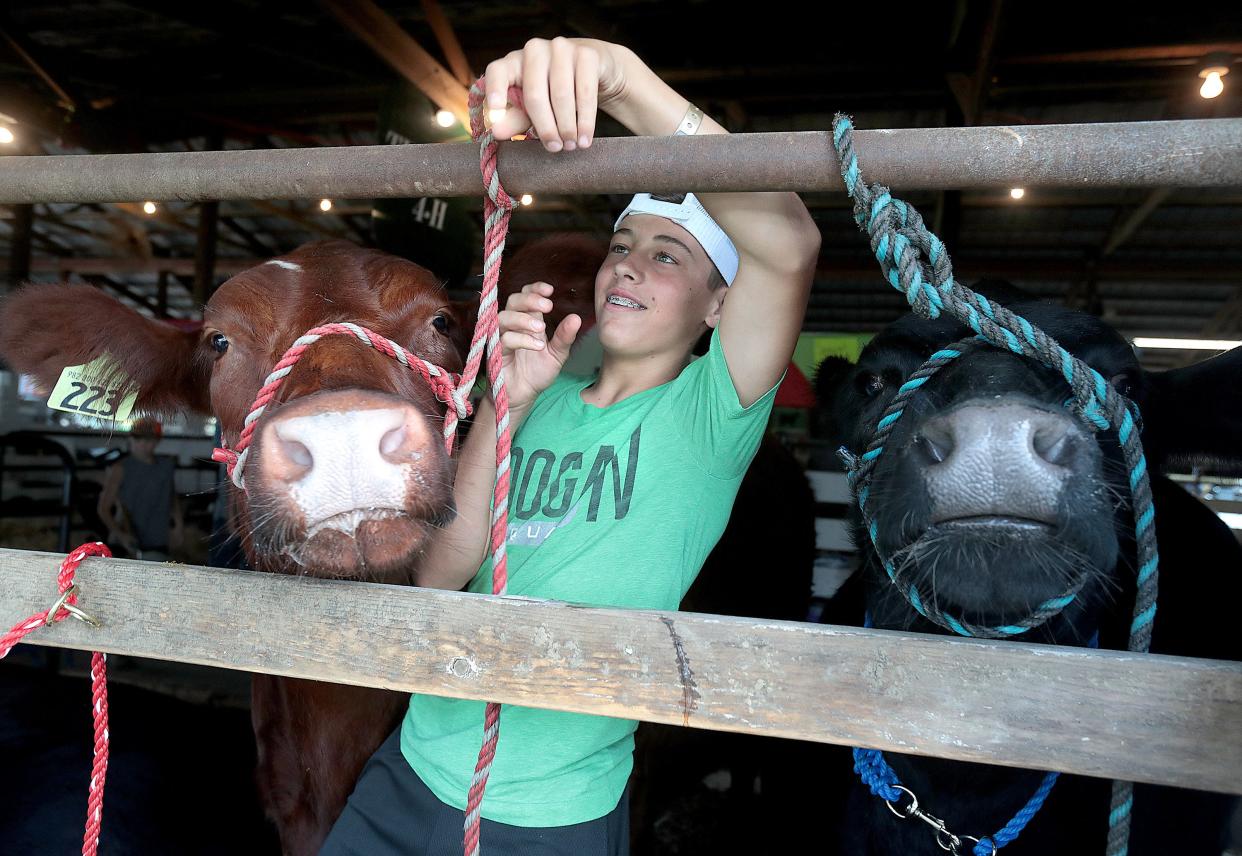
x,y
44,328
1194,414
832,373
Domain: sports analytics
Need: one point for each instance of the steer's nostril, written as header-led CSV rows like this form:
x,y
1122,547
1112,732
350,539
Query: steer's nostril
x,y
392,441
297,453
1054,444
935,445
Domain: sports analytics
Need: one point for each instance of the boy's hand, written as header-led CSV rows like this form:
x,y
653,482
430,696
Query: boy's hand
x,y
563,82
532,361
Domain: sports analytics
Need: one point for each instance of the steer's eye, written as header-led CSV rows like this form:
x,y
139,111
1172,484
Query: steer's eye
x,y
869,384
219,342
441,323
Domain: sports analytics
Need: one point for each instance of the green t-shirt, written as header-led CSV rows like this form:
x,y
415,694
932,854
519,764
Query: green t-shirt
x,y
614,506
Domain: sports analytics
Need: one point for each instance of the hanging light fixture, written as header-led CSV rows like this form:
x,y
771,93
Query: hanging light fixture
x,y
1215,66
7,123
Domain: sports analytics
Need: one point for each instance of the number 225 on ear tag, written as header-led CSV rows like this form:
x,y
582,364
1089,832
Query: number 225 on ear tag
x,y
94,389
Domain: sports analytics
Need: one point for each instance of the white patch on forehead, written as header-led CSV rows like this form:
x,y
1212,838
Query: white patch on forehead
x,y
284,264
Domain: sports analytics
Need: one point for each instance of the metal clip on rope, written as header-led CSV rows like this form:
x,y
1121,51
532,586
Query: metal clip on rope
x,y
62,602
945,839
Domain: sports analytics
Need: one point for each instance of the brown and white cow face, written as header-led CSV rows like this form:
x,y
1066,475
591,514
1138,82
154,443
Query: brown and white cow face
x,y
347,475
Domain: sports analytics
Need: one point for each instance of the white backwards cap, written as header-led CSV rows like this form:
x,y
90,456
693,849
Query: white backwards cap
x,y
689,214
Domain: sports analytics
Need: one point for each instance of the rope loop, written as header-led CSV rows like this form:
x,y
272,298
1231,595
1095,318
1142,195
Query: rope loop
x,y
64,607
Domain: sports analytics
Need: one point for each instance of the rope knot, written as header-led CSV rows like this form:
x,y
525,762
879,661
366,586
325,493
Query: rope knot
x,y
489,151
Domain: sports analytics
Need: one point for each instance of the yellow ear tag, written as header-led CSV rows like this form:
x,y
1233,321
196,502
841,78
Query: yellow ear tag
x,y
96,389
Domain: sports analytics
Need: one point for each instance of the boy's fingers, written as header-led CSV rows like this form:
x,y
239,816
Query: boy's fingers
x,y
515,341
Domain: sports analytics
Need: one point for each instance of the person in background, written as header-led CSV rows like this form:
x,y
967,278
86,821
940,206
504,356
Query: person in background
x,y
142,487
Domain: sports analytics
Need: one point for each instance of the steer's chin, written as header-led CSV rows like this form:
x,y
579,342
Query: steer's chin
x,y
992,570
377,546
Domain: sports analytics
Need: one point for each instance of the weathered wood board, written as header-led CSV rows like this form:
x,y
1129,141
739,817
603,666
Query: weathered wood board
x,y
1100,713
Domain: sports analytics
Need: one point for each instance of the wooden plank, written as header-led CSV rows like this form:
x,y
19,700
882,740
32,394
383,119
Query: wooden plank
x,y
1100,713
449,44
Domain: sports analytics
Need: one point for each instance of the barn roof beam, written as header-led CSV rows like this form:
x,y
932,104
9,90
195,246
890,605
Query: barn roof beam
x,y
1125,228
97,280
25,53
256,246
311,224
449,44
398,48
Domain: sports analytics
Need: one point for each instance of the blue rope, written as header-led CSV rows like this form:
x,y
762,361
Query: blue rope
x,y
915,262
880,778
877,775
1014,827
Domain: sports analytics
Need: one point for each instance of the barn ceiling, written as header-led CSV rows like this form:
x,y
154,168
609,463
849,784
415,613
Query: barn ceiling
x,y
146,75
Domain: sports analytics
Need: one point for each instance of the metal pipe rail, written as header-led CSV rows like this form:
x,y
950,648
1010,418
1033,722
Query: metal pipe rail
x,y
1144,718
1184,153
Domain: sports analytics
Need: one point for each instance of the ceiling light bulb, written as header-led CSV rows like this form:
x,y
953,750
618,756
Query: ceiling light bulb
x,y
527,199
1214,67
1212,85
149,207
325,205
445,118
1017,192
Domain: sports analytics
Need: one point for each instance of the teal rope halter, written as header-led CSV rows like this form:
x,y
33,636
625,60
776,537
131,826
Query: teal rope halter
x,y
859,472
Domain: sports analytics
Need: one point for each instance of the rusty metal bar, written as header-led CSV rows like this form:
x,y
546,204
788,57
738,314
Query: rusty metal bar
x,y
1185,153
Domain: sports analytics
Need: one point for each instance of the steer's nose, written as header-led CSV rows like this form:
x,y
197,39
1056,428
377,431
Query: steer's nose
x,y
343,450
986,459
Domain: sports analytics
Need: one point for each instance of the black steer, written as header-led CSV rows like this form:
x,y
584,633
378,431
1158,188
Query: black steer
x,y
991,495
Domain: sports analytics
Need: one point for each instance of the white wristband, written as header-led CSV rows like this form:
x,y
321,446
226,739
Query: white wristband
x,y
689,125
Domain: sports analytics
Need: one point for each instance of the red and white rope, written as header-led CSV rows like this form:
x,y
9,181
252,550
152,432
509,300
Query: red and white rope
x,y
447,387
65,606
497,206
